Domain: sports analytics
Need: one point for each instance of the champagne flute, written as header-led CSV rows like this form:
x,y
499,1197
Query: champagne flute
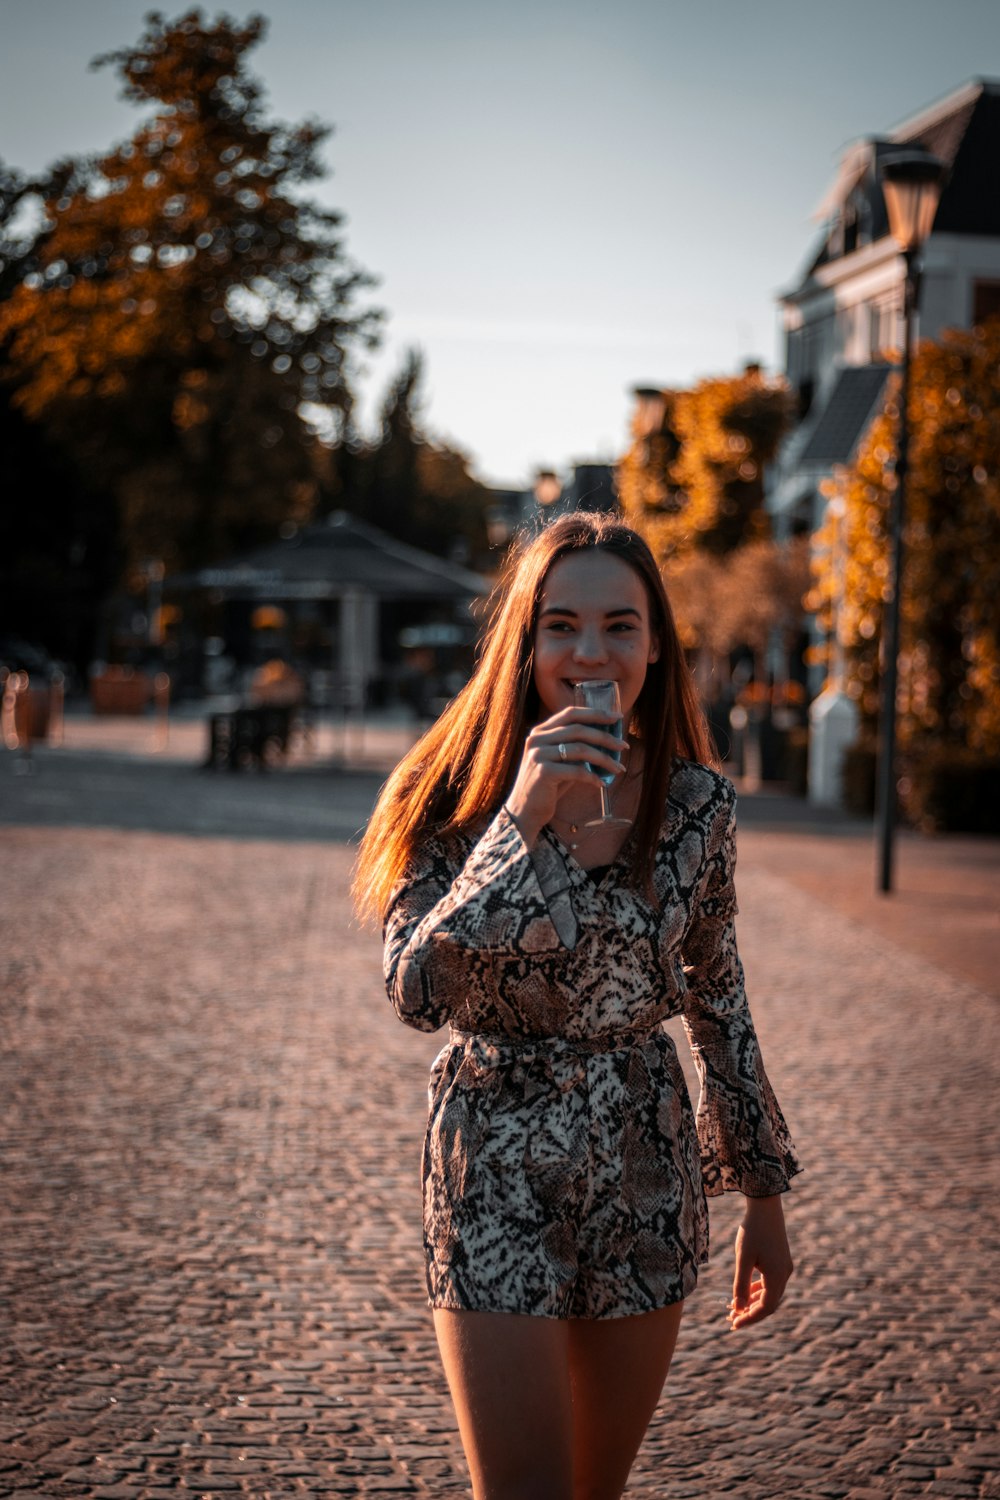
x,y
603,695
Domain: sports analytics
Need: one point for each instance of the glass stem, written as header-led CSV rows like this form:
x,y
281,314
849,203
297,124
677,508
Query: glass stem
x,y
605,801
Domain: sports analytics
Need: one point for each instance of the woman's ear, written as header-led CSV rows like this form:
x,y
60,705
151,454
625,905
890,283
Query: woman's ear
x,y
654,650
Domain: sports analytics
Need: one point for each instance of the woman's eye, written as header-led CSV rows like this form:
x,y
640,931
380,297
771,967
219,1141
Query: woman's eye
x,y
617,627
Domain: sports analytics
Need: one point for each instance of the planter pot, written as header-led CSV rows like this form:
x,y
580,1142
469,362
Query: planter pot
x,y
120,690
30,716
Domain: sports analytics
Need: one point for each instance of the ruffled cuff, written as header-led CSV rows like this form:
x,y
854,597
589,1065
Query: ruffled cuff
x,y
745,1143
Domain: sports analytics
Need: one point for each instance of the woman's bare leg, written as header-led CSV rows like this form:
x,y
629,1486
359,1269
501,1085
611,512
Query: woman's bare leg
x,y
617,1370
509,1380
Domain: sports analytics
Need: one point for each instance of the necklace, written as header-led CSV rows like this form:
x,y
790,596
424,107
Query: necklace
x,y
575,835
573,828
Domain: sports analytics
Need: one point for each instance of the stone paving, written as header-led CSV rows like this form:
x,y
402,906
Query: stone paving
x,y
210,1272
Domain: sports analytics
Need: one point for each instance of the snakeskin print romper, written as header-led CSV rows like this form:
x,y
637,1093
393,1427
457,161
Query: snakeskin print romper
x,y
564,1171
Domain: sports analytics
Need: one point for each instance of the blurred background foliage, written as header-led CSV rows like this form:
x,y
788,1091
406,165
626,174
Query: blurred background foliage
x,y
179,328
692,483
950,606
419,489
692,479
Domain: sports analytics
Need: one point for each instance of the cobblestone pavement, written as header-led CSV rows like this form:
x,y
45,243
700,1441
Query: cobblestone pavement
x,y
210,1266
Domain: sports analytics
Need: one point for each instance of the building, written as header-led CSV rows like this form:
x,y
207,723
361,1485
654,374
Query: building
x,y
843,325
843,319
591,487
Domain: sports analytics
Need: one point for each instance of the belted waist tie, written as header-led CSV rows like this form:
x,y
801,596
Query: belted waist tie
x,y
529,1064
526,1048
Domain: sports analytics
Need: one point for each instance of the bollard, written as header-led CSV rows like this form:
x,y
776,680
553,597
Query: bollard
x,y
161,709
57,726
8,711
17,715
26,764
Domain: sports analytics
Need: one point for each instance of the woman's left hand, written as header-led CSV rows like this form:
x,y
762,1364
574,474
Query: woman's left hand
x,y
761,1248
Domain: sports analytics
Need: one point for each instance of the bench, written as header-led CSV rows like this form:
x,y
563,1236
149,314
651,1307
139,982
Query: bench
x,y
250,736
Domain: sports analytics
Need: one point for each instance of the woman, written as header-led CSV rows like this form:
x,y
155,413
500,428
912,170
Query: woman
x,y
564,1172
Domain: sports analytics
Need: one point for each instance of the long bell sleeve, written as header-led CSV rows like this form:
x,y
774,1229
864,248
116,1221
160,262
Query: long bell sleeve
x,y
457,908
744,1140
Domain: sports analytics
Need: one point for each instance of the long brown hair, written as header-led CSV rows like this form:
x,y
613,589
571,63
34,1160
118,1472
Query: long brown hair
x,y
459,772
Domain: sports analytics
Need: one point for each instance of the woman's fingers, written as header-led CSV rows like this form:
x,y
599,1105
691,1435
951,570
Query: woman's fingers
x,y
574,746
577,715
763,1262
577,721
743,1278
761,1301
577,752
754,1314
577,740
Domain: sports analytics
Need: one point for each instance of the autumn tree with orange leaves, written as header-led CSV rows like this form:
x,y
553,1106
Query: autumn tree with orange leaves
x,y
692,484
950,603
695,481
185,307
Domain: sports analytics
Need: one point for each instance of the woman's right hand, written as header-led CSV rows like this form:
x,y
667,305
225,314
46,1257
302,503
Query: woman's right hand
x,y
554,760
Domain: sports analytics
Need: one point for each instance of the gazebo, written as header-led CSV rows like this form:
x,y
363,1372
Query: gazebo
x,y
347,569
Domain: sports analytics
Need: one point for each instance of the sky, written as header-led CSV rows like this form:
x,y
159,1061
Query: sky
x,y
561,199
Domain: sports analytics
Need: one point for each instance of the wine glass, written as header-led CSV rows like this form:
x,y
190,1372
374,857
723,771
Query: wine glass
x,y
603,696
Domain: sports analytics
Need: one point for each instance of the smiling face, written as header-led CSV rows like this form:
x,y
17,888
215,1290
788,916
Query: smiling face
x,y
593,622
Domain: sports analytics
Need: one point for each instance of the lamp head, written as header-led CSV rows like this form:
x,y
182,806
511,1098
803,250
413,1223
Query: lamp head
x,y
912,182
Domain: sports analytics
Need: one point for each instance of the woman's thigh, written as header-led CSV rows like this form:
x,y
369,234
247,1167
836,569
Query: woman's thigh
x,y
617,1369
509,1380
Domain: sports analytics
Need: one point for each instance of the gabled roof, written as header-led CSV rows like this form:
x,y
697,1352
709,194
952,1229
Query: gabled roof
x,y
963,129
968,139
845,416
332,557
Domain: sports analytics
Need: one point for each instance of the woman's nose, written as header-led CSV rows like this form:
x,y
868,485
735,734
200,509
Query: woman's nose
x,y
590,646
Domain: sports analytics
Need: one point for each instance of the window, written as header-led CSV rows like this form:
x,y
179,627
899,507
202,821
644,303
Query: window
x,y
985,301
850,228
806,390
885,332
844,330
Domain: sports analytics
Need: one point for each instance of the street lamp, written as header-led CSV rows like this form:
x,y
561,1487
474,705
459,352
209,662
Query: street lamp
x,y
912,180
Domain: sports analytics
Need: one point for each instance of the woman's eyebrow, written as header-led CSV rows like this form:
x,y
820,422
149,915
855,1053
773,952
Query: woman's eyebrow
x,y
609,614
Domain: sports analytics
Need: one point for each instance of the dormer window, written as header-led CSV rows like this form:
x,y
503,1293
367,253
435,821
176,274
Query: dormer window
x,y
855,223
850,222
806,390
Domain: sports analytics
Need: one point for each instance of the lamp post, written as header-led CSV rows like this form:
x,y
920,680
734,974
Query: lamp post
x,y
912,180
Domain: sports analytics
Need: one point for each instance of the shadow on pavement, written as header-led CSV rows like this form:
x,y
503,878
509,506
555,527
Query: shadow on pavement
x,y
315,804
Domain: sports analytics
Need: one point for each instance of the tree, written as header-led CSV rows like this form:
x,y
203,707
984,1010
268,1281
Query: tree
x,y
415,487
950,648
765,583
741,601
696,481
184,307
58,532
649,492
692,484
